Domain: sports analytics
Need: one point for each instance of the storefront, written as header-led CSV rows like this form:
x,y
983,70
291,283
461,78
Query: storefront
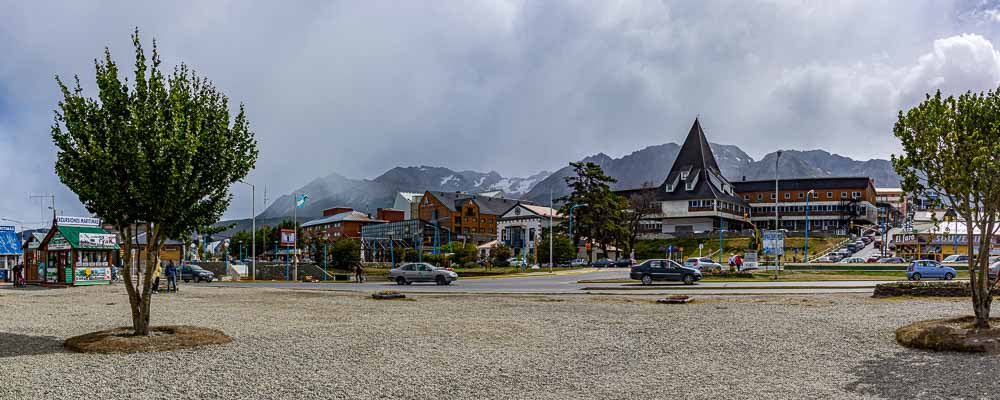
x,y
76,251
10,251
33,257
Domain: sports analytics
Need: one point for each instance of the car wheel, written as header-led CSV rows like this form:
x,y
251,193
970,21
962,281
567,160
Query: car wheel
x,y
916,276
440,280
688,279
400,280
187,281
948,276
647,280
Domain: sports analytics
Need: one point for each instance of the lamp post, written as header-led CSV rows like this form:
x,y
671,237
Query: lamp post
x,y
808,194
776,196
253,227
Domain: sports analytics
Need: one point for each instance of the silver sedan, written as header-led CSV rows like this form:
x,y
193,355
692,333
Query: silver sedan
x,y
408,273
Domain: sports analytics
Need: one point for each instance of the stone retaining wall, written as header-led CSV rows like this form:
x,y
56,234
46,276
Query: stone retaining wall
x,y
926,289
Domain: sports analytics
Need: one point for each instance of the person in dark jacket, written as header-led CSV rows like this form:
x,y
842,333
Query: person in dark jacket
x,y
359,273
171,277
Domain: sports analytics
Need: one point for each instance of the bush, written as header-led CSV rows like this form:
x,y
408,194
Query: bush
x,y
470,265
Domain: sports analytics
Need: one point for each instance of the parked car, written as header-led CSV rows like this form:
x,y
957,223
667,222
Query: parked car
x,y
852,247
853,260
603,263
624,262
891,260
702,264
408,273
579,262
664,270
873,259
994,268
827,259
929,269
956,259
192,272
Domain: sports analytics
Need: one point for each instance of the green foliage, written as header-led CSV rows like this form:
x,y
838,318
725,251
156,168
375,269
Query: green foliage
x,y
563,250
602,218
344,253
161,150
463,254
412,255
499,256
950,147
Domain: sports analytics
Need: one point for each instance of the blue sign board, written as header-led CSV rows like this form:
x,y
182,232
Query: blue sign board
x,y
10,243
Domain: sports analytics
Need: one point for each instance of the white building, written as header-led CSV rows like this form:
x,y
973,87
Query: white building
x,y
409,202
520,227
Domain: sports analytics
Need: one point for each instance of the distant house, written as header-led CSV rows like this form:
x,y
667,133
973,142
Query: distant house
x,y
695,197
471,217
338,223
521,226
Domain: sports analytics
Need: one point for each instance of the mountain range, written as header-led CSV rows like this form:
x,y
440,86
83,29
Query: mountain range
x,y
650,164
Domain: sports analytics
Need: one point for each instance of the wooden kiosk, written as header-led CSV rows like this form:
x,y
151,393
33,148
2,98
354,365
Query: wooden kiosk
x,y
77,252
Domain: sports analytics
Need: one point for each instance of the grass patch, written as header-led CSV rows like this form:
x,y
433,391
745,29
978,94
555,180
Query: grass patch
x,y
161,338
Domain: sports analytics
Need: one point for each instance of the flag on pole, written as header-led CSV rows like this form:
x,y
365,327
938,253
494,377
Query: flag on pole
x,y
301,201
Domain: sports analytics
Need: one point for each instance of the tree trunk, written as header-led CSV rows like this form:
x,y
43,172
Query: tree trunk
x,y
979,275
134,297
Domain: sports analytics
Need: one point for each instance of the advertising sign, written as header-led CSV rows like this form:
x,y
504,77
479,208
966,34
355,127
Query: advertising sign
x,y
86,273
97,240
750,260
773,242
77,221
58,242
288,237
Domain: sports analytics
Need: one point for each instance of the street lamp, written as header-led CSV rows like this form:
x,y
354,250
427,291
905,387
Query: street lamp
x,y
253,232
776,159
808,195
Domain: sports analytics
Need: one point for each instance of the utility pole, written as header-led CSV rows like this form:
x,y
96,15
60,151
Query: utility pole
x,y
552,211
253,231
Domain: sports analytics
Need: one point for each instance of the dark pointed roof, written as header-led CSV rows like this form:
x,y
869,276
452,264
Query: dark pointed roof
x,y
695,168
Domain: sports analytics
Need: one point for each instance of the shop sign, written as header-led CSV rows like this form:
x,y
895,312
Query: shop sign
x,y
97,240
58,242
64,220
6,228
749,259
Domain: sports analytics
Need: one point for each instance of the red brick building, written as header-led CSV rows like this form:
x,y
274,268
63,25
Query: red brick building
x,y
338,223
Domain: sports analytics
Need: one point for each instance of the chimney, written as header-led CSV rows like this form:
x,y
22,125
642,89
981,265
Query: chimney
x,y
744,178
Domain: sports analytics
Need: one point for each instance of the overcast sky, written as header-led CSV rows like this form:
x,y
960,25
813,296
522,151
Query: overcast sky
x,y
357,87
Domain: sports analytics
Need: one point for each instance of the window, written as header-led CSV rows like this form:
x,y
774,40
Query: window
x,y
788,196
694,204
684,174
458,220
689,186
760,196
855,195
843,195
815,195
801,195
773,196
746,197
829,195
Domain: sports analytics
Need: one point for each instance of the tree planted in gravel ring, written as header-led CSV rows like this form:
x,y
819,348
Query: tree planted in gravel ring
x,y
950,148
157,154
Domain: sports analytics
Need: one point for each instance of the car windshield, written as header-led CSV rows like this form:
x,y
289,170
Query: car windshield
x,y
196,268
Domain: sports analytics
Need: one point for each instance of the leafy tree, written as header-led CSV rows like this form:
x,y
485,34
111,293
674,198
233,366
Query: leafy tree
x,y
563,250
158,153
950,149
345,253
499,255
243,237
601,219
465,253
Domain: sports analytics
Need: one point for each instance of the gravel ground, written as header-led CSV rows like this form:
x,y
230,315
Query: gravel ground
x,y
295,344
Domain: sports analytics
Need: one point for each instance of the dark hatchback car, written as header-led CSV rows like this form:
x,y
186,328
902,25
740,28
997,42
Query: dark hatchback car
x,y
191,272
664,270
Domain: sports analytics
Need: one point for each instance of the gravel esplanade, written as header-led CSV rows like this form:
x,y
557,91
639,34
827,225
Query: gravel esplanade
x,y
292,344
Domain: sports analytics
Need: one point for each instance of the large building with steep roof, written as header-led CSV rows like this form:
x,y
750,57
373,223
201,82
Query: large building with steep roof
x,y
470,217
694,197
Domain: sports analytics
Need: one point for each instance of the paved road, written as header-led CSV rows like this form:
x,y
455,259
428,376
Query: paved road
x,y
567,284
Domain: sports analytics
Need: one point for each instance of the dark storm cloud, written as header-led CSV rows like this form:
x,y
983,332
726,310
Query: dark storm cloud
x,y
513,86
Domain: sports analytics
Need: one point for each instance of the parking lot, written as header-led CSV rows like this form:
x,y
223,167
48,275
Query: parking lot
x,y
321,344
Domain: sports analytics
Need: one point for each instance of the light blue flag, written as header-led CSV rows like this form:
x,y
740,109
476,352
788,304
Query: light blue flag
x,y
301,200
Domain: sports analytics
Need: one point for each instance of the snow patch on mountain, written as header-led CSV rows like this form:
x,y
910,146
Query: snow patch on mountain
x,y
445,180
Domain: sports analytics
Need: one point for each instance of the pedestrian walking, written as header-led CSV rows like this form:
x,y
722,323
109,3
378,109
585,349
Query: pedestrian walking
x,y
171,276
732,261
359,273
156,277
739,263
19,275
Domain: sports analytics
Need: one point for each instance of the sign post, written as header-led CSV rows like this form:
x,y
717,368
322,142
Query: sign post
x,y
774,245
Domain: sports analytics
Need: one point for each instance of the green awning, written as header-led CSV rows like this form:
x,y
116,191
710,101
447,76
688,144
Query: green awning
x,y
93,237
